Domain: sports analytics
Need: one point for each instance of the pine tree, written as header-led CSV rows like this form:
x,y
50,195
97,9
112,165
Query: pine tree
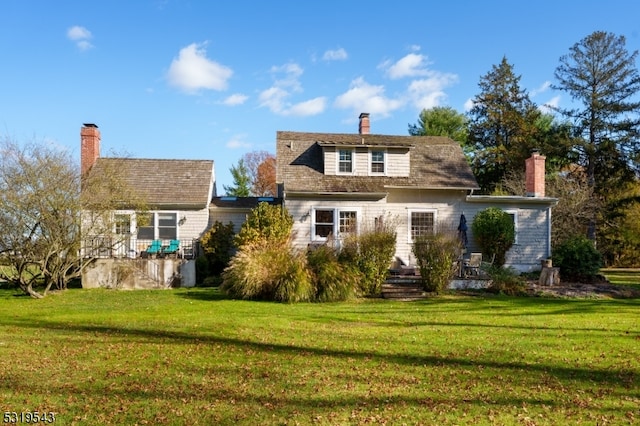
x,y
241,181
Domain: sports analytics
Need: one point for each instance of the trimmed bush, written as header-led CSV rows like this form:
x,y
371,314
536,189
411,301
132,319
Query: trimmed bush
x,y
577,259
333,281
436,255
266,224
370,253
494,232
268,272
217,244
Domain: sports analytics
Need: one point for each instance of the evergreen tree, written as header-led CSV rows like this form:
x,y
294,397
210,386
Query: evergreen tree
x,y
241,181
502,126
601,77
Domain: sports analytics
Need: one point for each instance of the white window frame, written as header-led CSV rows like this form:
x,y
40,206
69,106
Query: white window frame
x,y
353,161
514,215
155,218
336,221
409,224
384,162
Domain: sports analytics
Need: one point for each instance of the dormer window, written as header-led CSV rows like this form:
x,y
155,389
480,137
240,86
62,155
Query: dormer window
x,y
377,162
345,161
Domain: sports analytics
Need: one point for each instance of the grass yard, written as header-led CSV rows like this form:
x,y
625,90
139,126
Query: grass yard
x,y
193,357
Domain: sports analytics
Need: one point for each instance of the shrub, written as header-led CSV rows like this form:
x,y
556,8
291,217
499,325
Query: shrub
x,y
268,272
506,281
333,281
370,253
494,232
217,244
265,224
577,259
436,255
202,268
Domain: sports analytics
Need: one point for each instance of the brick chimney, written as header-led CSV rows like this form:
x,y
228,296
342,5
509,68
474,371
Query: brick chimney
x,y
534,175
364,127
89,146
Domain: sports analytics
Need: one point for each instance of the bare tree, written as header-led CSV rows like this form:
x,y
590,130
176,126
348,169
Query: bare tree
x,y
41,214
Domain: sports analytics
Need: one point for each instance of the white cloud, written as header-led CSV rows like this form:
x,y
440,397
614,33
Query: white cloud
x,y
468,104
235,99
412,65
192,71
307,108
429,92
548,107
81,36
543,88
286,83
364,97
237,142
335,55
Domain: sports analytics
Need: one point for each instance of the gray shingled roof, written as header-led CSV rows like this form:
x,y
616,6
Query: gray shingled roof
x,y
164,183
436,162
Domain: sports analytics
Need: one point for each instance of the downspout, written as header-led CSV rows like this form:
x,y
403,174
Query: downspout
x,y
549,232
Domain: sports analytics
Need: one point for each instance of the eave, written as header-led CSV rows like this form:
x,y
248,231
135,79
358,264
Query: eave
x,y
511,199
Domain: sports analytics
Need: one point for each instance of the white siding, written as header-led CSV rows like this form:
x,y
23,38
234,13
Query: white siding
x,y
330,161
398,162
226,215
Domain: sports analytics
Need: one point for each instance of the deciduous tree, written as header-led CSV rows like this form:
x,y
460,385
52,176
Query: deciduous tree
x,y
42,214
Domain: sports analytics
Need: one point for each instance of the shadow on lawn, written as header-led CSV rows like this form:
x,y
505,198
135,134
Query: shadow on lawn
x,y
593,375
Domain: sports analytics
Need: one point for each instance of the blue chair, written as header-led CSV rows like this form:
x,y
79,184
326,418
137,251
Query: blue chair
x,y
172,248
155,248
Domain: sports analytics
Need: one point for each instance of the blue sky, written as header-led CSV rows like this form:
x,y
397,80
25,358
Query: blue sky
x,y
216,79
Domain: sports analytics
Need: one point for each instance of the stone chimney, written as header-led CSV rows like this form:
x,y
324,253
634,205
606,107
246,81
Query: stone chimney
x,y
364,127
534,175
89,146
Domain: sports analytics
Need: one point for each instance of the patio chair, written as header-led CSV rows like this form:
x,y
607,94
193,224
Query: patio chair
x,y
154,248
172,248
473,266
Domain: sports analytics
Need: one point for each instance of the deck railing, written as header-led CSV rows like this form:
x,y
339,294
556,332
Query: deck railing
x,y
126,246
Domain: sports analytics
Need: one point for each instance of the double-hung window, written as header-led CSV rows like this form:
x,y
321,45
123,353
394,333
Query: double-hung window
x,y
345,161
158,225
334,222
377,162
421,223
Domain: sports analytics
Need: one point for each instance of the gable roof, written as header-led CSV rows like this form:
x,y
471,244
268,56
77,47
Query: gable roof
x,y
164,183
435,163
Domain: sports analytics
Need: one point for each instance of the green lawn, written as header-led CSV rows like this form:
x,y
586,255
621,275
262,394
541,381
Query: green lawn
x,y
192,357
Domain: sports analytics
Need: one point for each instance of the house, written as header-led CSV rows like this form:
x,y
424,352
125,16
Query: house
x,y
176,193
335,183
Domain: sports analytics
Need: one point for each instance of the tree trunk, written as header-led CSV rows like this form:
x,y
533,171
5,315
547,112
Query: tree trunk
x,y
549,276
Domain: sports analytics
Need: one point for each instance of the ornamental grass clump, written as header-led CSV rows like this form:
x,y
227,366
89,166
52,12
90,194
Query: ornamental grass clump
x,y
371,253
436,256
268,272
333,281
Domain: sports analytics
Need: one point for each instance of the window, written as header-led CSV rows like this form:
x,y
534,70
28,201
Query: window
x,y
146,226
345,161
347,222
167,229
377,162
421,222
334,222
122,224
323,223
160,225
